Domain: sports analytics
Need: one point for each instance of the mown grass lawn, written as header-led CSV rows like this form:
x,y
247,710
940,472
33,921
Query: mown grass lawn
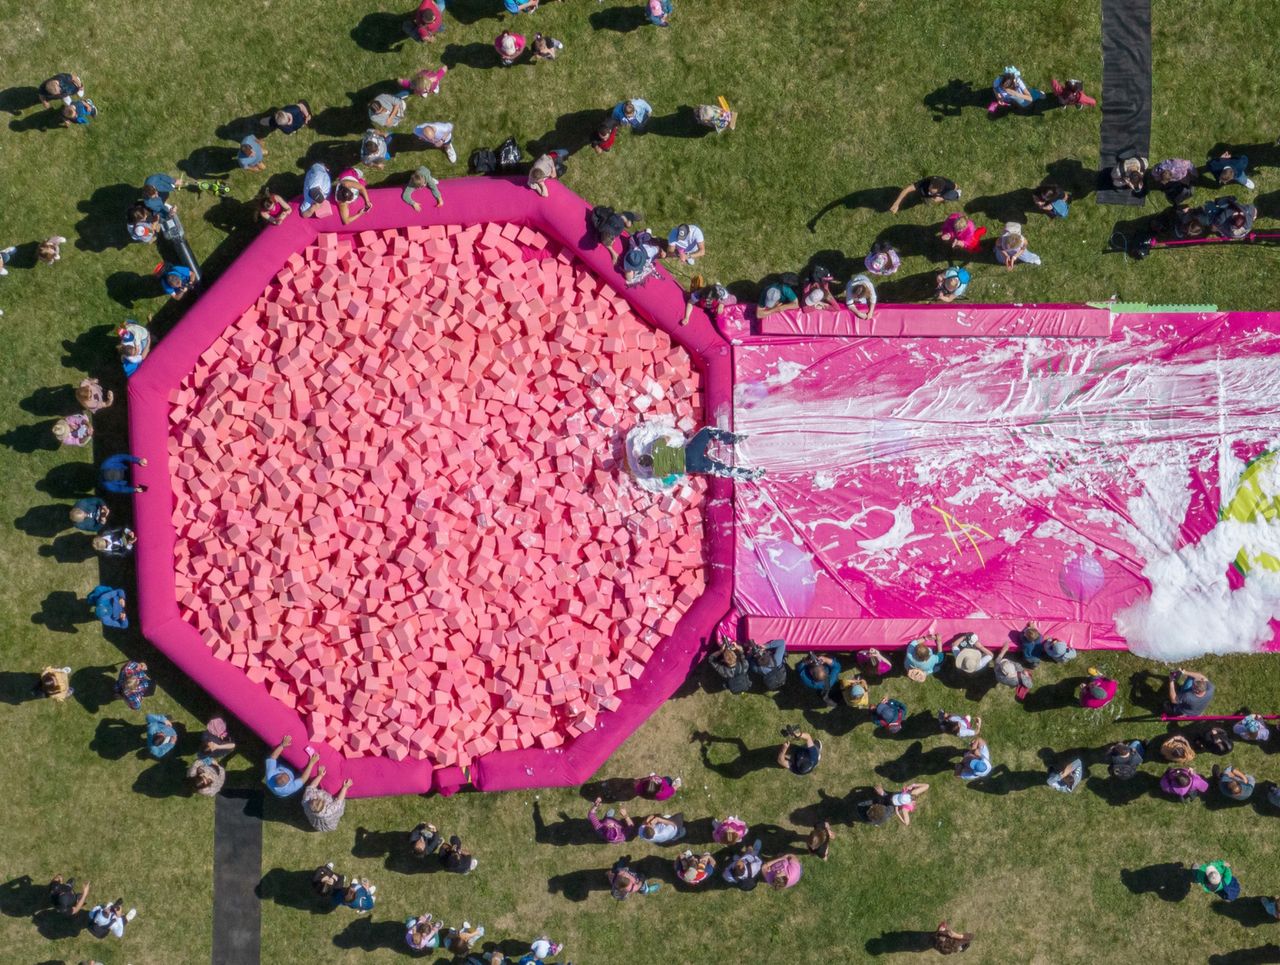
x,y
839,103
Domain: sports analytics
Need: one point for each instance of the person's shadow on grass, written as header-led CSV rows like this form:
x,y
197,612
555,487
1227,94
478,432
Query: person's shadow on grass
x,y
611,790
572,132
61,612
94,686
34,437
900,942
477,56
747,762
1002,781
395,848
1118,792
954,96
381,32
567,830
69,548
618,19
1148,690
1247,911
1055,696
291,889
21,897
828,807
369,936
916,762
875,199
1268,953
1168,881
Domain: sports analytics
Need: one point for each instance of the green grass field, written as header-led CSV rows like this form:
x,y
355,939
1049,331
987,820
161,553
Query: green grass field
x,y
838,102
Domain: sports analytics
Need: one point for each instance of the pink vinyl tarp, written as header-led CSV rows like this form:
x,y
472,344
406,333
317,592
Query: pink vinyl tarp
x,y
1115,488
563,217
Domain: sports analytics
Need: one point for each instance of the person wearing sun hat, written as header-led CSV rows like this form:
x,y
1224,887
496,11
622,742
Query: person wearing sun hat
x,y
968,653
883,259
1011,675
976,762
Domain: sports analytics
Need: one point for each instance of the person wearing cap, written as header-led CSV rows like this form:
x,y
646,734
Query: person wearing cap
x,y
509,47
770,662
611,829
162,736
951,284
818,672
923,658
976,762
968,654
801,757
694,869
323,811
730,662
176,281
1057,651
1124,758
1011,247
1234,783
904,801
316,186
712,299
744,870
687,242
933,189
776,298
1011,90
854,690
1217,878
280,779
633,114
640,260
1189,692
958,725
669,462
1011,675
1097,691
883,260
661,828
1183,783
890,714
1066,778
1252,728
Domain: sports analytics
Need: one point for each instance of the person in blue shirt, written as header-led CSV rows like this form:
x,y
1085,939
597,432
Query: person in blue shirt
x,y
358,896
951,284
156,190
109,606
79,112
633,113
976,762
89,515
280,779
1228,169
315,190
175,280
920,656
819,673
251,154
116,473
162,736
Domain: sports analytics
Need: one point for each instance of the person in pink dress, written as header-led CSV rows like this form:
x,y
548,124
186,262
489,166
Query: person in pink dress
x,y
1097,691
729,831
656,788
782,872
961,232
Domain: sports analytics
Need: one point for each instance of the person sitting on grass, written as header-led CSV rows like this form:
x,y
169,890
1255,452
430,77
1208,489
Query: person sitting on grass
x,y
110,919
605,135
143,225
1214,740
350,187
156,190
669,462
890,714
1011,675
777,297
624,881
358,896
1124,758
64,87
1230,218
456,858
322,810
951,284
860,296
109,606
962,232
819,840
90,514
687,242
1227,168
55,683
1097,691
657,788
540,949
770,662
819,673
133,683
280,779
854,690
959,726
611,829
421,178
79,112
744,870
207,776
976,762
1176,749
1031,644
1011,90
162,736
799,752
969,655
934,190
694,869
63,897
422,933
387,110
948,941
729,831
1252,728
270,207
1068,777
1183,783
325,882
74,430
134,347
1234,783
1271,905
922,659
375,149
730,662
1217,878
176,281
1011,247
1052,200
1189,693
545,47
783,872
904,801
661,828
876,810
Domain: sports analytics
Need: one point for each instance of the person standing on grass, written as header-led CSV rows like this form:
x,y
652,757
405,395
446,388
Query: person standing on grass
x,y
280,779
1183,783
438,134
216,742
118,542
425,839
162,736
743,871
427,21
890,714
948,941
782,872
90,514
611,829
933,189
860,296
252,154
729,831
1097,691
1217,878
520,6
1175,176
730,662
656,788
288,119
455,858
1124,758
375,149
79,112
658,12
421,178
1234,783
799,753
63,897
1011,675
63,87
110,919
55,683
207,776
92,398
819,840
633,114
133,683
108,604
969,655
882,260
1066,778
778,297
156,190
323,811
904,802
770,662
316,186
604,136
509,47
350,188
50,250
1071,94
1252,728
1189,693
818,672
